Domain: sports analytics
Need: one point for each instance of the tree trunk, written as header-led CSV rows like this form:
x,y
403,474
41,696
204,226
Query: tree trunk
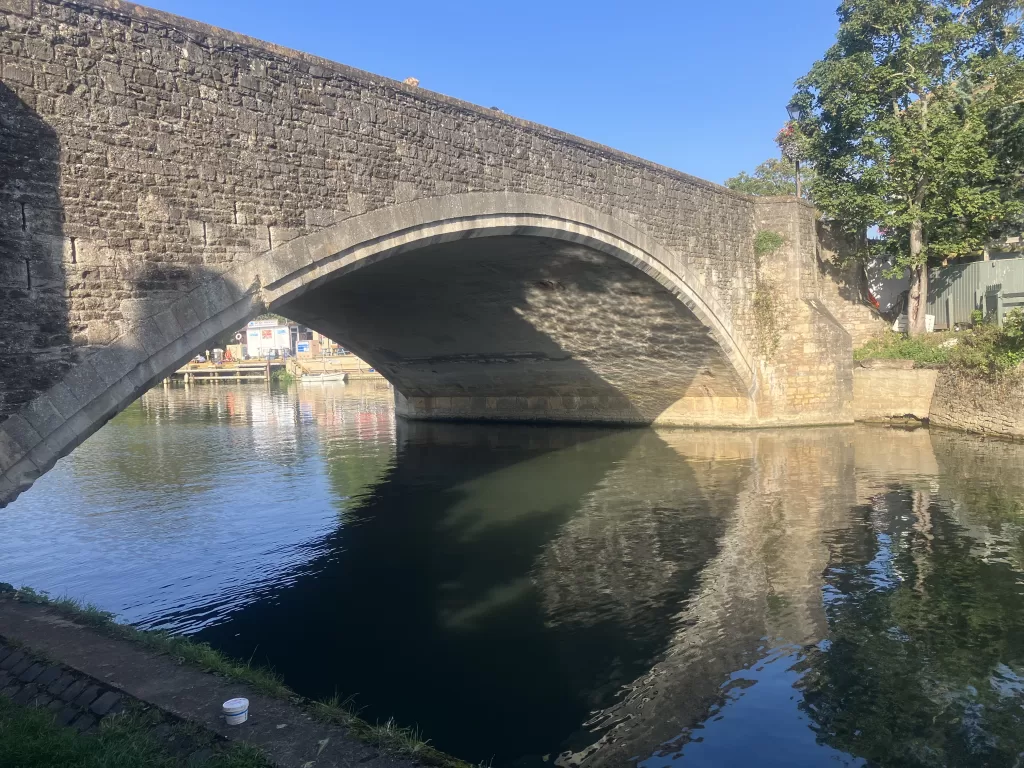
x,y
917,301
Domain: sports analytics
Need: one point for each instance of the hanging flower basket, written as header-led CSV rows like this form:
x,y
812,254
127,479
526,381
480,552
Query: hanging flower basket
x,y
788,140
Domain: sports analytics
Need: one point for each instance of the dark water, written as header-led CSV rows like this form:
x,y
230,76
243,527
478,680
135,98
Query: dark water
x,y
567,596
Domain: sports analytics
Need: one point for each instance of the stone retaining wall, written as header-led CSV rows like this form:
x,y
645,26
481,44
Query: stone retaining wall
x,y
976,405
880,394
893,389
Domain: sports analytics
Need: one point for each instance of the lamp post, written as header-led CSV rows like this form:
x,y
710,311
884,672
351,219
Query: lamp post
x,y
795,114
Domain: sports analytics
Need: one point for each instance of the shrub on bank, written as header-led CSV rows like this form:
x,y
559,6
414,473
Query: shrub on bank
x,y
992,350
984,349
898,346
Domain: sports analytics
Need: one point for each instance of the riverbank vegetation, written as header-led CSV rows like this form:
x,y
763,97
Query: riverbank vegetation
x,y
985,349
389,737
29,738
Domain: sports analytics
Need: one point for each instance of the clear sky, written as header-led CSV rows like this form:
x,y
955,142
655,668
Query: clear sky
x,y
701,87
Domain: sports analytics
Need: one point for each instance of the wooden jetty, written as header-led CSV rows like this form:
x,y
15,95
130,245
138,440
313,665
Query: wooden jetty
x,y
217,373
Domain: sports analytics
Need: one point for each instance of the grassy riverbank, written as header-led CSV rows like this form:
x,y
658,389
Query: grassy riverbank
x,y
388,737
29,738
985,349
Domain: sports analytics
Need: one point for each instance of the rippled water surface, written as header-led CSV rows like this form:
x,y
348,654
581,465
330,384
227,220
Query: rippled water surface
x,y
567,596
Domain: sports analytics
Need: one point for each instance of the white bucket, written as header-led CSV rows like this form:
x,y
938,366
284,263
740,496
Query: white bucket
x,y
236,711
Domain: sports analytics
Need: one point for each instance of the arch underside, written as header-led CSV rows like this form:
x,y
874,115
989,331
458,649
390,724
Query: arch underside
x,y
526,327
501,306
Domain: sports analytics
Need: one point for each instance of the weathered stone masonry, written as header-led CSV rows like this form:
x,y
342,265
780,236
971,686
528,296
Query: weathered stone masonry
x,y
162,180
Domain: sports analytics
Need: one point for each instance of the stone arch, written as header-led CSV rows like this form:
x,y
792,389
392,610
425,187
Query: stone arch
x,y
99,387
309,261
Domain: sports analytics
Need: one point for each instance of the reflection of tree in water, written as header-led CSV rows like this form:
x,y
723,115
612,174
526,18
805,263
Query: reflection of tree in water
x,y
984,480
927,642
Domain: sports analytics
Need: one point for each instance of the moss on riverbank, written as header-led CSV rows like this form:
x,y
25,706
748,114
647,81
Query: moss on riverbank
x,y
387,737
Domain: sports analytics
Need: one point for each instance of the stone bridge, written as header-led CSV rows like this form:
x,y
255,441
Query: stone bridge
x,y
163,182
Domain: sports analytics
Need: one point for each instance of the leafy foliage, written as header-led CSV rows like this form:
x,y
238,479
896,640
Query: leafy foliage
x,y
985,349
992,350
767,241
773,177
898,346
912,120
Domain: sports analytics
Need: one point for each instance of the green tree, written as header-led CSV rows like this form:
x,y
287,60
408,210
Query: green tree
x,y
772,177
1006,124
901,120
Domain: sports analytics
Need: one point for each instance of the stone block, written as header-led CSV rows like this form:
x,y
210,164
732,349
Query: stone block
x,y
49,676
151,335
87,696
64,400
26,695
288,262
30,674
212,298
11,451
21,666
74,690
104,703
12,661
84,723
11,690
61,684
184,314
20,7
84,381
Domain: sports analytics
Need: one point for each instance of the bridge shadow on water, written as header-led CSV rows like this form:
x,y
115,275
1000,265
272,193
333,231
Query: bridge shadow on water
x,y
518,576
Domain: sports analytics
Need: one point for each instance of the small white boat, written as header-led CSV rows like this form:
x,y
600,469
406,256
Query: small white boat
x,y
319,378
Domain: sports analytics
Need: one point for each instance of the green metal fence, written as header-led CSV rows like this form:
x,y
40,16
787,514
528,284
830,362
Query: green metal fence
x,y
995,287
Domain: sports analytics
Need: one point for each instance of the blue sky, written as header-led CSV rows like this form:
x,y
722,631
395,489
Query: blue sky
x,y
701,87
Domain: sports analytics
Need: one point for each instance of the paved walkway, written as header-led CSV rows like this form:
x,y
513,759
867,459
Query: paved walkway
x,y
288,736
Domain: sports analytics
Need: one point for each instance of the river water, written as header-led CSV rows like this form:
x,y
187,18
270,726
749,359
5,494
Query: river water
x,y
537,596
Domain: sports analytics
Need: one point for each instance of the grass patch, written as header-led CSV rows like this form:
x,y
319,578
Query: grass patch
x,y
281,376
199,655
29,738
985,350
388,737
898,346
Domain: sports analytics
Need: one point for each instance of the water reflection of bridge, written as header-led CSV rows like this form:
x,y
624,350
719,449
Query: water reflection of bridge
x,y
636,570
